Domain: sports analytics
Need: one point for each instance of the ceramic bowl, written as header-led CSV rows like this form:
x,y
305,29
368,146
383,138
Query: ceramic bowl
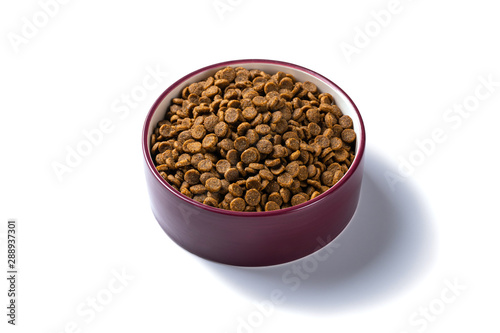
x,y
254,238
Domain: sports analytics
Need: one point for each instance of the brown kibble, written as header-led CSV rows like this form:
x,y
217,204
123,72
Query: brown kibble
x,y
169,164
216,195
249,93
187,192
231,175
297,114
249,113
336,111
235,190
222,166
259,101
272,187
227,73
266,174
276,197
237,204
212,91
221,129
251,170
313,115
210,142
211,157
243,128
265,146
200,197
231,115
279,169
205,165
303,173
335,143
348,135
330,120
213,184
228,197
192,177
195,88
298,199
221,83
273,103
326,151
341,155
285,180
252,197
293,169
250,155
326,107
272,163
174,180
295,155
163,146
326,98
241,182
184,160
252,136
167,130
160,158
314,183
263,129
241,143
279,151
256,166
334,167
315,194
198,189
198,132
337,130
263,200
327,178
226,144
258,120
270,86
210,122
345,121
224,186
314,129
322,141
286,84
328,133
205,176
280,126
271,205
337,176
292,143
209,201
310,87
162,168
253,182
232,156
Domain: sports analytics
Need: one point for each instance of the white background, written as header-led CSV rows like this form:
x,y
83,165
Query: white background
x,y
435,227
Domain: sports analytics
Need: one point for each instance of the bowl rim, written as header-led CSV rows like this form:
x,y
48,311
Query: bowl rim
x,y
150,164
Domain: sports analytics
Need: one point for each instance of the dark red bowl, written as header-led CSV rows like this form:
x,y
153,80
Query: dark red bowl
x,y
254,238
